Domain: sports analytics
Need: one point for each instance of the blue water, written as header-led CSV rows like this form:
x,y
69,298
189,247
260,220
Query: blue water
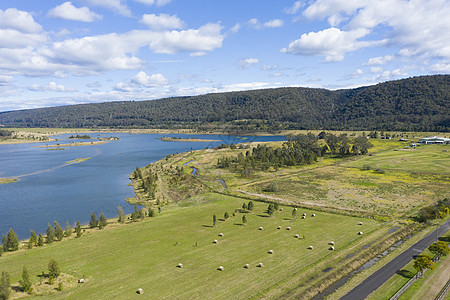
x,y
48,189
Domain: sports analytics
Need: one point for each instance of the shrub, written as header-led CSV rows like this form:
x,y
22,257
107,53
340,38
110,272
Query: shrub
x,y
53,269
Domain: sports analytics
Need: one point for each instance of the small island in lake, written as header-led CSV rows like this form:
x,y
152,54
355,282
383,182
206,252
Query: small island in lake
x,y
7,180
179,139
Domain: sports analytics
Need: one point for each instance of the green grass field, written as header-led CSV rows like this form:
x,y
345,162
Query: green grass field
x,y
117,261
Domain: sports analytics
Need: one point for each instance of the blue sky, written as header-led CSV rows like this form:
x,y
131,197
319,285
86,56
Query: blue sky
x,y
57,53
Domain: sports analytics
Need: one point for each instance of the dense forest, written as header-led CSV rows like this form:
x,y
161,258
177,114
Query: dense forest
x,y
413,104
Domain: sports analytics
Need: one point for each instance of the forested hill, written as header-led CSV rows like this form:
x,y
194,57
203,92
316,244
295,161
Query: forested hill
x,y
418,103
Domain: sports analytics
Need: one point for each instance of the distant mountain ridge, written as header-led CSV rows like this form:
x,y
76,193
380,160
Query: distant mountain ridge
x,y
413,104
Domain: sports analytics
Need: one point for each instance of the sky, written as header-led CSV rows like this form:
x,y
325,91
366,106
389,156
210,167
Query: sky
x,y
85,51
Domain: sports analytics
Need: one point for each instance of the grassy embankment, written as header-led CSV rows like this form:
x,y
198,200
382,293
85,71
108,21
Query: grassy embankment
x,y
7,180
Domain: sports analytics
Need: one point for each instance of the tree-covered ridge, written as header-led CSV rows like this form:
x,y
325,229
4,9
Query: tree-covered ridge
x,y
419,103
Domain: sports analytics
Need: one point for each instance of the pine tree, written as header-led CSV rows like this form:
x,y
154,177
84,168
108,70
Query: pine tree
x,y
121,214
276,206
53,268
5,243
294,213
78,229
68,231
25,282
93,222
135,214
244,206
50,234
4,286
270,209
142,213
40,241
214,220
102,221
244,219
33,240
250,205
151,212
59,232
225,215
12,240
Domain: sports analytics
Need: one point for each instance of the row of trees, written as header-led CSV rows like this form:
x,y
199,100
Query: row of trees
x,y
147,183
423,262
297,150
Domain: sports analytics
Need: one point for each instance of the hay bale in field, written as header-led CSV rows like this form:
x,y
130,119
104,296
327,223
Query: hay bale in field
x,y
281,209
246,266
180,265
270,252
331,248
260,228
296,236
288,228
279,227
81,280
331,243
295,208
140,291
260,265
360,223
360,233
221,234
215,241
310,247
303,217
313,215
220,268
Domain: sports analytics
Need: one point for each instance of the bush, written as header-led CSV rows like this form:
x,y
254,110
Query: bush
x,y
53,269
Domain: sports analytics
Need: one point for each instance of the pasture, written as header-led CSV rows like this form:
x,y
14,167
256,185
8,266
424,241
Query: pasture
x,y
115,262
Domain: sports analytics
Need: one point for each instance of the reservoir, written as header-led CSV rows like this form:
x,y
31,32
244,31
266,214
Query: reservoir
x,y
49,189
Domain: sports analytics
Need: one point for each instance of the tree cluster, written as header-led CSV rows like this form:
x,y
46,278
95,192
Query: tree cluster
x,y
439,210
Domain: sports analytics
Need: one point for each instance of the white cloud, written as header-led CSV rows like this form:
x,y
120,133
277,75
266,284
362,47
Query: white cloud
x,y
273,23
5,79
294,8
206,38
51,86
376,70
161,22
11,38
247,63
380,60
420,28
142,79
269,24
115,5
236,28
21,21
125,87
154,2
331,43
69,12
269,68
440,68
94,84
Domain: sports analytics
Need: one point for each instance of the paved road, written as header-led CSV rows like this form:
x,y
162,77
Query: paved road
x,y
375,280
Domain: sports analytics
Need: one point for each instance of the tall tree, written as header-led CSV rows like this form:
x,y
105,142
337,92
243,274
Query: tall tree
x,y
423,262
53,268
250,205
214,220
93,222
68,231
120,214
25,282
102,221
59,232
40,241
50,234
13,241
33,239
439,248
4,286
78,229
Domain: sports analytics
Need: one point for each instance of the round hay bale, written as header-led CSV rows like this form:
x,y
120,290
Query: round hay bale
x,y
220,268
81,280
215,241
260,265
180,265
221,234
279,227
313,215
295,208
331,248
303,217
140,291
331,243
360,223
360,233
281,209
260,228
310,247
270,252
246,266
296,236
288,228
